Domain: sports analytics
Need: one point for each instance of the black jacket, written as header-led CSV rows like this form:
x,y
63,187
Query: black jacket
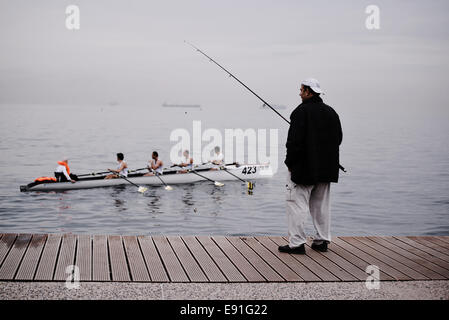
x,y
313,143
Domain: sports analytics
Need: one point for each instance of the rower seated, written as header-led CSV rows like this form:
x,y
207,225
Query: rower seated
x,y
155,165
62,172
122,168
187,163
217,159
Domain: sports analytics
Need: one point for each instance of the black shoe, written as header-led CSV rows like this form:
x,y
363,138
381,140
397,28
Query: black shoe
x,y
296,250
320,247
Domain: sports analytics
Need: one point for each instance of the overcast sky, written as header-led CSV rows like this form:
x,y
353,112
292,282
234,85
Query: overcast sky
x,y
132,52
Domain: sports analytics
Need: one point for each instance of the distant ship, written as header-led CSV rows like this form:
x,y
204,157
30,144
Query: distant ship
x,y
275,106
194,106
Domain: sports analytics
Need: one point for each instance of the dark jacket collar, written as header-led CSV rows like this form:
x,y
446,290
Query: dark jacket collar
x,y
314,99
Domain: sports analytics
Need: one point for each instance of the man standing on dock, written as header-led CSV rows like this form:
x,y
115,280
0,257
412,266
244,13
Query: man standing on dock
x,y
312,159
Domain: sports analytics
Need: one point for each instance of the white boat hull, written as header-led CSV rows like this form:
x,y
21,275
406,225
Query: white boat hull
x,y
245,172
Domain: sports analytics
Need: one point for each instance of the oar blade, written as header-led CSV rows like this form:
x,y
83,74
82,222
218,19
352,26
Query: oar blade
x,y
219,184
142,189
168,188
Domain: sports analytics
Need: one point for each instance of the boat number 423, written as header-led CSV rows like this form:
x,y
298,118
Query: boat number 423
x,y
249,170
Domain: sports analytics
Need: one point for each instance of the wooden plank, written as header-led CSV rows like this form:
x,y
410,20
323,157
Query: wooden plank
x,y
413,274
117,257
212,272
356,261
66,257
30,261
171,262
303,265
418,252
223,262
443,238
311,264
49,256
427,273
257,262
83,258
248,271
6,243
396,274
100,259
12,261
438,272
152,260
136,262
333,268
275,261
188,262
433,243
436,240
355,272
424,248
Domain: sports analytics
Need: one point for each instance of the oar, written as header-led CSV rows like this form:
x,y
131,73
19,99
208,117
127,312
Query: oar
x,y
249,184
218,184
167,187
92,174
104,172
139,188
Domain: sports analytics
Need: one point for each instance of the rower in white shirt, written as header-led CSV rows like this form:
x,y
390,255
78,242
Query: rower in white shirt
x,y
155,165
122,168
217,158
187,162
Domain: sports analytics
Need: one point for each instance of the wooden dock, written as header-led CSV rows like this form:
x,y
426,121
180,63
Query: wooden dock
x,y
45,257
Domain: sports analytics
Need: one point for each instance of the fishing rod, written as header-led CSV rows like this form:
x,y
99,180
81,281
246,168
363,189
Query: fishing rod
x,y
232,76
239,81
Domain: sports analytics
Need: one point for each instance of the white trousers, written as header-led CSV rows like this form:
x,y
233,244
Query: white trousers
x,y
305,200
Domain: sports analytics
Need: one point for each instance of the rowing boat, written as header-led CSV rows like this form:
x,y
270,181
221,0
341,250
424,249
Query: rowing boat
x,y
170,176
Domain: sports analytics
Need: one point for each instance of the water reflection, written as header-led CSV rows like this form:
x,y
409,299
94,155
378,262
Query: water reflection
x,y
217,195
62,209
187,197
118,194
155,201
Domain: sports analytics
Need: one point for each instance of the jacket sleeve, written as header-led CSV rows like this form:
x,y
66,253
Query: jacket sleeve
x,y
340,131
295,139
64,170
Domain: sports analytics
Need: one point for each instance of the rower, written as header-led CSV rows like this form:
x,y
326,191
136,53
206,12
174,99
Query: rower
x,y
62,171
187,162
122,168
217,158
154,165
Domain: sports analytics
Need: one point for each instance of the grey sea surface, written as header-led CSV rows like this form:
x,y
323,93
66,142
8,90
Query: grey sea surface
x,y
397,180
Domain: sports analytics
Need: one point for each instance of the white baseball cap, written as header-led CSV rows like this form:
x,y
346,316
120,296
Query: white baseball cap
x,y
313,84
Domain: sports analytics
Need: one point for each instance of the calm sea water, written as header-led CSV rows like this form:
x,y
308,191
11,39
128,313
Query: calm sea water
x,y
397,182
